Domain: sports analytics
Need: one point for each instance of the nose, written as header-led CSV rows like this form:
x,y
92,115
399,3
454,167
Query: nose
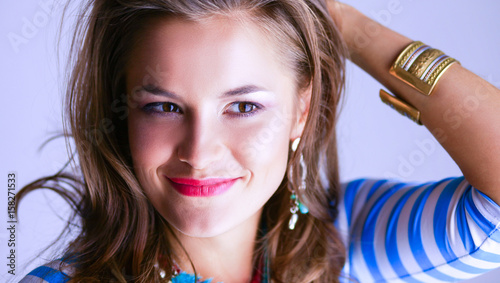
x,y
202,144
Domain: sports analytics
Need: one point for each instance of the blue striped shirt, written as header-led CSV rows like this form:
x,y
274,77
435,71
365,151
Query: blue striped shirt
x,y
433,232
402,232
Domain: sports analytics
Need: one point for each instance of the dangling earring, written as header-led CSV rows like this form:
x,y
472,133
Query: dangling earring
x,y
296,205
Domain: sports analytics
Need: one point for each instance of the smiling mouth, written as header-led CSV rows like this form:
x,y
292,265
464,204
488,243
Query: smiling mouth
x,y
202,187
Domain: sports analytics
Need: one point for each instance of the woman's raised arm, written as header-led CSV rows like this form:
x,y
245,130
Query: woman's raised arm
x,y
463,111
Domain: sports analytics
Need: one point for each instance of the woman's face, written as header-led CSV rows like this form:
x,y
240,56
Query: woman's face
x,y
211,114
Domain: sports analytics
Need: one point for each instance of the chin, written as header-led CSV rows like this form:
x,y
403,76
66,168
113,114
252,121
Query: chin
x,y
206,231
201,227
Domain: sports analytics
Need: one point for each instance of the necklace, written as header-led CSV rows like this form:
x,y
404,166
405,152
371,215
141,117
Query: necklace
x,y
260,275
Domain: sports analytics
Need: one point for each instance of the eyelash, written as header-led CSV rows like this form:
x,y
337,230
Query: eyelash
x,y
255,108
158,108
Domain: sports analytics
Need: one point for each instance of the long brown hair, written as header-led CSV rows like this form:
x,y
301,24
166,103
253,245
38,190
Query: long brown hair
x,y
122,236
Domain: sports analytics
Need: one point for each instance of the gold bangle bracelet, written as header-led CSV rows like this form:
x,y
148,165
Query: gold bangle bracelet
x,y
401,106
421,66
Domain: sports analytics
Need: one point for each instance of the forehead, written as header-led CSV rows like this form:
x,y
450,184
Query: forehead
x,y
213,49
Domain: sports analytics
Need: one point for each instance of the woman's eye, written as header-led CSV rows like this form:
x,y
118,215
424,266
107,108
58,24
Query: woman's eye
x,y
243,108
166,107
170,107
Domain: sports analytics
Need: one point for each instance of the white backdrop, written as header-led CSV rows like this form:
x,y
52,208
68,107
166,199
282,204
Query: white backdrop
x,y
374,141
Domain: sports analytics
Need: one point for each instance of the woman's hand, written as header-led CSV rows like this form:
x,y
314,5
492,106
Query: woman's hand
x,y
359,32
342,13
471,137
336,10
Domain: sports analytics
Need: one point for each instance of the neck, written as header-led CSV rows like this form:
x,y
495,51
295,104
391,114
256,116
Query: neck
x,y
227,257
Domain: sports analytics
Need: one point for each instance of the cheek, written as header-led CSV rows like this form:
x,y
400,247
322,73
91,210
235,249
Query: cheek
x,y
151,145
263,149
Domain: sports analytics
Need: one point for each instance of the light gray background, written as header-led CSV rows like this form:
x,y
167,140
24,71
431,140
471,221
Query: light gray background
x,y
375,141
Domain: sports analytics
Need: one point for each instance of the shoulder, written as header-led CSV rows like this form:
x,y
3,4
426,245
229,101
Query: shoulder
x,y
56,271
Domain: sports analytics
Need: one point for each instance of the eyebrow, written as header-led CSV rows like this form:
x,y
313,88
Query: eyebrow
x,y
232,92
158,91
243,90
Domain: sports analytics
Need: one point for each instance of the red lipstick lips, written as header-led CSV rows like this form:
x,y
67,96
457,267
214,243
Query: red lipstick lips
x,y
202,187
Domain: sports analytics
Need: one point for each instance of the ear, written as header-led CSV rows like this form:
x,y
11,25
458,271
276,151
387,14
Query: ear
x,y
304,101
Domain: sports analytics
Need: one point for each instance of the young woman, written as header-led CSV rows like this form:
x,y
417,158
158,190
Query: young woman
x,y
205,137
